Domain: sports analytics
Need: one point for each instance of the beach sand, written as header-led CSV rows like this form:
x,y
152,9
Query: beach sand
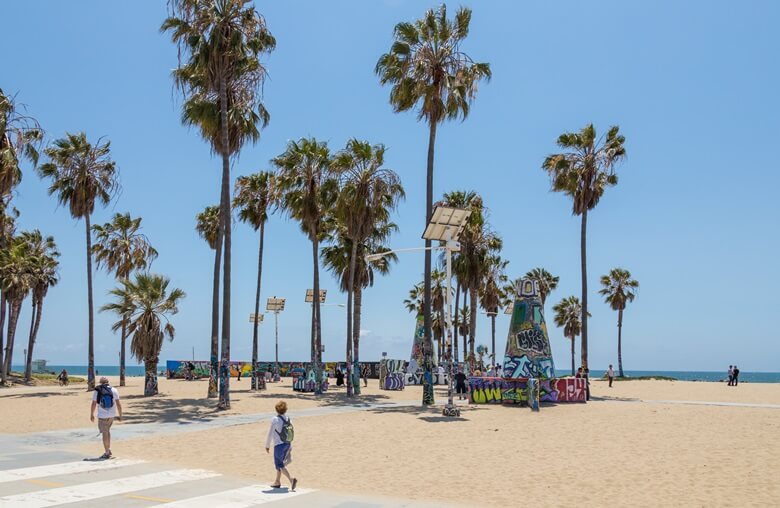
x,y
618,449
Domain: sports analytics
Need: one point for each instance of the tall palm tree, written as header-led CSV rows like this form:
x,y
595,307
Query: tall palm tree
x,y
82,174
309,191
492,294
583,172
7,235
16,281
337,258
428,70
122,249
222,77
618,289
256,196
207,225
547,282
368,193
143,305
568,315
416,304
20,137
43,271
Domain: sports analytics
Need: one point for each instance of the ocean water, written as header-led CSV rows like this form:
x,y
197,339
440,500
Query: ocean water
x,y
706,376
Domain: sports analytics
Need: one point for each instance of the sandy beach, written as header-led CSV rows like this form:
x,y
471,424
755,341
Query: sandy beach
x,y
632,444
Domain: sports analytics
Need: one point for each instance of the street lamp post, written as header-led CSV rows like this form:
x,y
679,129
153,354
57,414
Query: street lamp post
x,y
445,225
276,305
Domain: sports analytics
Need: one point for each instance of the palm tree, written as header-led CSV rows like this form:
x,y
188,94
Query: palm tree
x,y
207,225
568,315
20,137
492,293
428,70
309,191
122,249
43,272
618,289
222,41
337,258
82,174
547,282
16,281
7,235
368,193
416,304
143,306
256,195
583,172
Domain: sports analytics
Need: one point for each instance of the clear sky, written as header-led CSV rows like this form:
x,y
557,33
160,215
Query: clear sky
x,y
693,86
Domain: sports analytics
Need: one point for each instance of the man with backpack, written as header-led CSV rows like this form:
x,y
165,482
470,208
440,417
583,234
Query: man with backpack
x,y
281,435
106,399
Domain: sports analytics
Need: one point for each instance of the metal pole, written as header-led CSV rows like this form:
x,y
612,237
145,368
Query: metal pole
x,y
450,409
276,326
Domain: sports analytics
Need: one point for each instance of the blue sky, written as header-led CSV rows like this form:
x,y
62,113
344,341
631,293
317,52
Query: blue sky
x,y
693,86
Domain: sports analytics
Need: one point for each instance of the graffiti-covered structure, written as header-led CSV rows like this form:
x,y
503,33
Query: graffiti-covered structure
x,y
528,353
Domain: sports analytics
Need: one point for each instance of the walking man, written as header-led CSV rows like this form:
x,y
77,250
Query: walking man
x,y
731,375
281,435
610,375
735,376
106,399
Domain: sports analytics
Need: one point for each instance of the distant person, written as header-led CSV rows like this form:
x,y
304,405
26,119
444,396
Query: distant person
x,y
610,375
736,376
579,373
339,378
491,372
731,375
498,370
586,375
239,372
106,399
365,375
281,435
63,378
460,384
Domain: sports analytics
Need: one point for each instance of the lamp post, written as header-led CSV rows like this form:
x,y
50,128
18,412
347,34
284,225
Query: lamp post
x,y
445,226
276,305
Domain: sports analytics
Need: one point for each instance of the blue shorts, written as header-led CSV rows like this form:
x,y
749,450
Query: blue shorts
x,y
280,452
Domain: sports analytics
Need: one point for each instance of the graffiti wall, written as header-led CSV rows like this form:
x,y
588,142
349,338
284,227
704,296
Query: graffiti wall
x,y
567,389
391,374
494,390
528,353
306,381
176,368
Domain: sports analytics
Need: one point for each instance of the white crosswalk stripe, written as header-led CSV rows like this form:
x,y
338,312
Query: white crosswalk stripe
x,y
97,490
238,498
27,473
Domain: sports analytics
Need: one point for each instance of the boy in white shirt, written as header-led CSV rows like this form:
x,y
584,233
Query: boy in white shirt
x,y
106,399
280,434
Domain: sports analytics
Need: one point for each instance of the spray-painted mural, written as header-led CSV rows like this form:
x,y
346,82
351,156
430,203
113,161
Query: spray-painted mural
x,y
177,369
391,374
528,353
495,390
307,381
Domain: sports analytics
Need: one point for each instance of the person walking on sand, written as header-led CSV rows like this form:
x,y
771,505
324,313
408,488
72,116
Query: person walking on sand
x,y
106,399
731,375
460,384
610,375
736,376
281,435
365,375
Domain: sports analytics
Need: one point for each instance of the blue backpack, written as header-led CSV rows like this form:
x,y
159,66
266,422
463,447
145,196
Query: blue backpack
x,y
105,396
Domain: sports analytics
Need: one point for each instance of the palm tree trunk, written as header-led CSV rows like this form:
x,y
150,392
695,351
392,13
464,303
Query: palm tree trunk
x,y
91,352
150,381
493,335
256,330
455,325
427,396
122,353
473,318
13,317
584,267
317,318
573,369
357,297
30,343
224,371
350,309
620,342
2,336
38,315
213,391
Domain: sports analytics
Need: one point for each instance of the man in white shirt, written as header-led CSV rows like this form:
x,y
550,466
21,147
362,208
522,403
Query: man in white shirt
x,y
610,375
106,399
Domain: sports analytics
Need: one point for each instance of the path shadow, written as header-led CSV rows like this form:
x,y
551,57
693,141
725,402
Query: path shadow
x,y
618,399
39,394
327,399
160,410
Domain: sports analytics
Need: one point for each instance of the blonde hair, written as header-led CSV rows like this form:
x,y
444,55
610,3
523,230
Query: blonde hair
x,y
281,407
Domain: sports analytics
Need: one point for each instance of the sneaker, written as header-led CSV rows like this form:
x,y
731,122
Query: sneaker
x,y
294,483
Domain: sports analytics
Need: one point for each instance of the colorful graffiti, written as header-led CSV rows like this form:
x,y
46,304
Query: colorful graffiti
x,y
418,343
391,374
177,368
307,381
528,353
494,390
566,389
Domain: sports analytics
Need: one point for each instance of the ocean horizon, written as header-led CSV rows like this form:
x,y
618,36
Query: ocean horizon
x,y
703,376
